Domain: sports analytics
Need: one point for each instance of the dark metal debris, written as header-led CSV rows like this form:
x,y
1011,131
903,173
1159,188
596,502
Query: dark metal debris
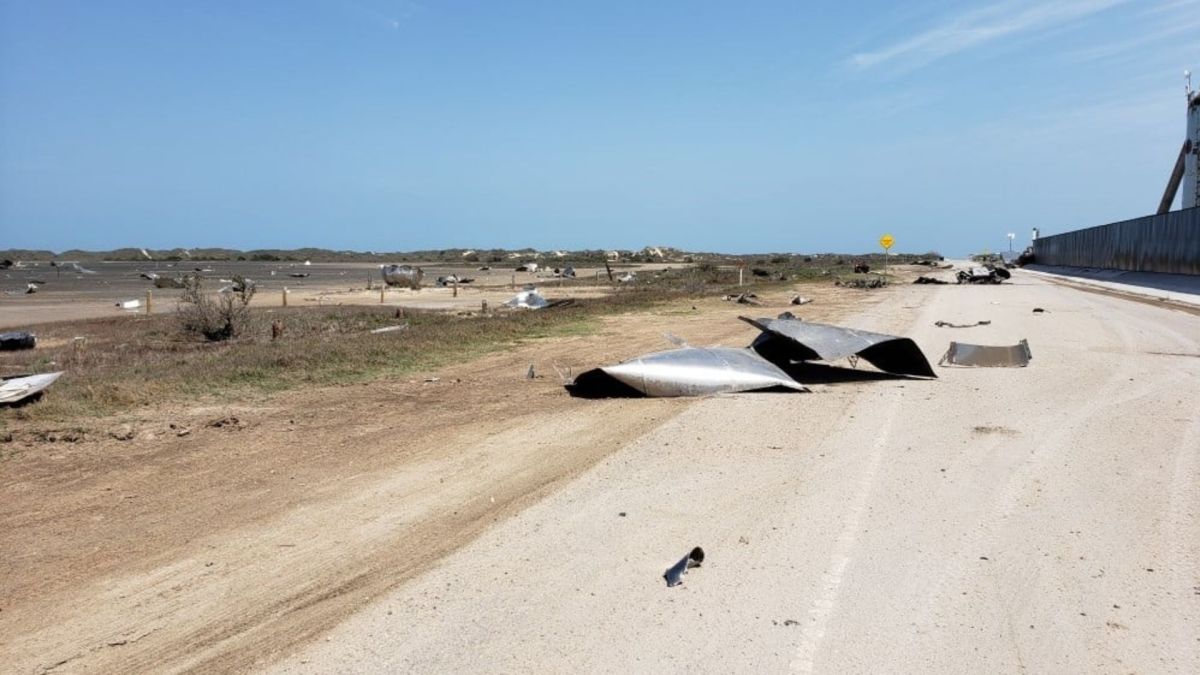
x,y
785,340
674,575
987,274
947,324
742,298
15,340
988,356
930,280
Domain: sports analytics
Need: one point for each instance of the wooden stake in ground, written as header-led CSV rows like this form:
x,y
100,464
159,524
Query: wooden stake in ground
x,y
285,292
149,301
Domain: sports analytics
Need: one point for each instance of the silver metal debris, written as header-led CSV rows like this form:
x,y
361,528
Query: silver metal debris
x,y
988,356
689,371
16,389
786,340
402,275
528,299
674,575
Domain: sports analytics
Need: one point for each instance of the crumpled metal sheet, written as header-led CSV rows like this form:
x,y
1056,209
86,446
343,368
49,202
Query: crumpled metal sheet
x,y
17,389
402,275
785,340
988,356
528,299
688,371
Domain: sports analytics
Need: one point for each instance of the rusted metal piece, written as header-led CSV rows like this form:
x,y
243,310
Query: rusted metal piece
x,y
689,371
786,340
988,356
402,275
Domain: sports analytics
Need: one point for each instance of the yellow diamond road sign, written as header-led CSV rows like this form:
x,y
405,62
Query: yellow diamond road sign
x,y
886,241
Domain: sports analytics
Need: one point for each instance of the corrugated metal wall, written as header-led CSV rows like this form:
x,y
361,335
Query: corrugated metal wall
x,y
1166,243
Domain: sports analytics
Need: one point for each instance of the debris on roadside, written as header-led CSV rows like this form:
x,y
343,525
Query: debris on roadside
x,y
687,371
628,277
1038,310
16,340
787,340
16,389
299,275
947,324
986,274
799,300
742,298
129,304
402,275
930,280
873,282
453,280
530,298
168,282
388,329
674,575
987,356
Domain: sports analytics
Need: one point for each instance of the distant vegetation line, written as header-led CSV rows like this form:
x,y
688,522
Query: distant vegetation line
x,y
649,255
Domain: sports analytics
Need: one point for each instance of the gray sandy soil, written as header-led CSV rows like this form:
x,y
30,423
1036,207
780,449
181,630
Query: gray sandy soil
x,y
1042,519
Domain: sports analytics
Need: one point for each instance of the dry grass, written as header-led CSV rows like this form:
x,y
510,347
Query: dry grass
x,y
131,361
127,362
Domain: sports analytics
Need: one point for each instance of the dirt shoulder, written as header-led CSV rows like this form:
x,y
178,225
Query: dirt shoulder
x,y
220,536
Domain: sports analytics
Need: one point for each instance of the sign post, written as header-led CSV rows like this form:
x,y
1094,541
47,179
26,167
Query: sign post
x,y
886,241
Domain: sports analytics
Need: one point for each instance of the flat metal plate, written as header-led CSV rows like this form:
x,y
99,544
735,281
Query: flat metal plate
x,y
988,356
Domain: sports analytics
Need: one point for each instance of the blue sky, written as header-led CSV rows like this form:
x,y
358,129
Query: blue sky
x,y
757,126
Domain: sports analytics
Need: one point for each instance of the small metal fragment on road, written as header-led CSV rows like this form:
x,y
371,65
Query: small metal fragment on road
x,y
987,356
674,575
947,324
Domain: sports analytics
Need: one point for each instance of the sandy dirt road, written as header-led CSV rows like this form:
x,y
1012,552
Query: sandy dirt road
x,y
1044,519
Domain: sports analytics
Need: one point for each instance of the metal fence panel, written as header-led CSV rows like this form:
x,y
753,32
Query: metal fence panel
x,y
1167,243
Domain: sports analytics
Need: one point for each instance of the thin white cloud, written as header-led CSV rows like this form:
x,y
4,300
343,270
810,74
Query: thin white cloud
x,y
980,27
1150,38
